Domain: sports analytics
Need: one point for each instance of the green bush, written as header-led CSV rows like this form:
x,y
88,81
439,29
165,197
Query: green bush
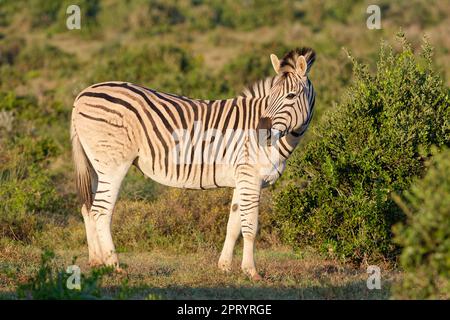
x,y
337,194
26,188
44,12
247,15
424,14
425,237
318,13
47,58
9,49
20,63
6,13
163,16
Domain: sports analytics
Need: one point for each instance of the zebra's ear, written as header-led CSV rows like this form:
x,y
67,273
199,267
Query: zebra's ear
x,y
275,62
301,66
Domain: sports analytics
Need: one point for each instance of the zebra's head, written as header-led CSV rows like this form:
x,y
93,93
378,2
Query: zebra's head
x,y
291,97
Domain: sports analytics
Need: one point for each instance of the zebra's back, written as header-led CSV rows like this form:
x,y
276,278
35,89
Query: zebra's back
x,y
174,140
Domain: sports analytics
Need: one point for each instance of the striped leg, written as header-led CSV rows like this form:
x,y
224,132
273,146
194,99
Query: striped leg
x,y
233,231
102,210
249,189
95,254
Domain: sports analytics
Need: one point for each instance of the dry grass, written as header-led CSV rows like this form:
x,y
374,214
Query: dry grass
x,y
168,275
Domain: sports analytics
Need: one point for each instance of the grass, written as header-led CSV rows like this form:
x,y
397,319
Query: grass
x,y
161,274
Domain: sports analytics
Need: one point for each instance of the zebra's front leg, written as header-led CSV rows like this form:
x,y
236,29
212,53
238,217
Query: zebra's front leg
x,y
249,189
233,232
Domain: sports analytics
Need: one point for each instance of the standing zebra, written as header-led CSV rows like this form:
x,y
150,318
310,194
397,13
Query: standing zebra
x,y
241,143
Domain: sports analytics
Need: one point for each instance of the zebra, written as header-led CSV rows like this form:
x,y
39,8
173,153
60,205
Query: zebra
x,y
182,142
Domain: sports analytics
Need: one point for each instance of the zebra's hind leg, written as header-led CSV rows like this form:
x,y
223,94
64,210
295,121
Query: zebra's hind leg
x,y
233,232
102,209
95,253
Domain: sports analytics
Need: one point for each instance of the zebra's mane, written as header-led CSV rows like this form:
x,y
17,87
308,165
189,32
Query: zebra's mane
x,y
259,89
290,58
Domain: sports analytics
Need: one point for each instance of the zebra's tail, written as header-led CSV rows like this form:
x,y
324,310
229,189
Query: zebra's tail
x,y
83,170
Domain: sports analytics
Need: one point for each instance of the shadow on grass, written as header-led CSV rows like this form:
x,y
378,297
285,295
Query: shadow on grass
x,y
352,290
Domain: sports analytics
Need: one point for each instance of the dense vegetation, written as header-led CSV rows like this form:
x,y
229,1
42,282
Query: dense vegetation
x,y
373,143
425,237
371,135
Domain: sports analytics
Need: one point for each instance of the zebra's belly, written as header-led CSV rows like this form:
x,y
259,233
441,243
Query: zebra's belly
x,y
191,177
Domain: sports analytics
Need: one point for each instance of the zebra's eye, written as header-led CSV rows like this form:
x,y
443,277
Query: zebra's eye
x,y
291,96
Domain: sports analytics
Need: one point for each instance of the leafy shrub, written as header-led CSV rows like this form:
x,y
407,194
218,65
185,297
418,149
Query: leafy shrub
x,y
317,12
46,57
248,15
165,16
5,14
44,12
20,106
20,62
425,237
9,49
25,185
423,14
337,195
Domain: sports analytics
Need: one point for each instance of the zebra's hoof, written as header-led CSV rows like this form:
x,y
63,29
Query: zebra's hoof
x,y
256,277
252,274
